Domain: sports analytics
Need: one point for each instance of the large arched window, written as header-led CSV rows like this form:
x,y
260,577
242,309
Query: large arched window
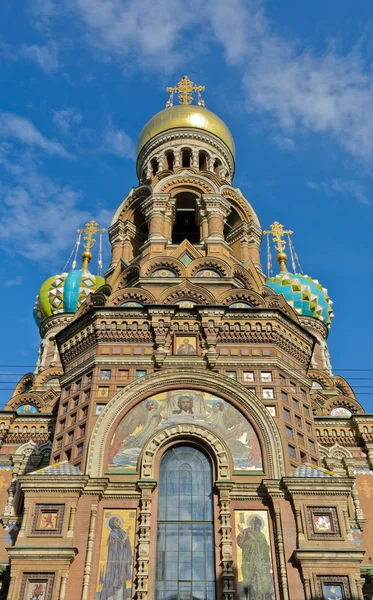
x,y
185,539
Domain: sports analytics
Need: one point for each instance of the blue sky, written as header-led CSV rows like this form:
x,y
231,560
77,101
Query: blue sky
x,y
293,81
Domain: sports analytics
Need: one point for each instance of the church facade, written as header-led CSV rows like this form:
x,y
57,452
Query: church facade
x,y
183,436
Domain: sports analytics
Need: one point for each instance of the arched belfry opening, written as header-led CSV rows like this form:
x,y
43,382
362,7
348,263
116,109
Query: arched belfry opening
x,y
186,158
186,219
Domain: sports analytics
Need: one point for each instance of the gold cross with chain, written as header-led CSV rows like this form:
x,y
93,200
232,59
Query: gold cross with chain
x,y
185,89
90,230
277,231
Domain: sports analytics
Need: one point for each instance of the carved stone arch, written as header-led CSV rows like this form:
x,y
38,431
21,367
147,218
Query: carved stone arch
x,y
45,448
350,403
240,203
129,202
244,276
186,432
129,294
214,383
250,297
337,451
51,373
28,448
25,380
125,277
207,262
279,302
318,401
341,383
185,181
31,398
167,262
321,377
186,289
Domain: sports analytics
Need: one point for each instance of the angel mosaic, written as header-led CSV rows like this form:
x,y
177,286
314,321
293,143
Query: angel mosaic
x,y
184,406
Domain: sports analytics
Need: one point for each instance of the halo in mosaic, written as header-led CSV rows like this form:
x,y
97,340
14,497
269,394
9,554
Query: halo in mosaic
x,y
64,293
304,294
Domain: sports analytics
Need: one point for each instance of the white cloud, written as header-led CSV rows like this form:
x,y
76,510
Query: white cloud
x,y
64,119
343,187
21,129
283,143
14,282
300,90
46,57
116,141
39,216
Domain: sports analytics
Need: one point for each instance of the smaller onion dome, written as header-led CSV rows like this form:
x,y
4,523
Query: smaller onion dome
x,y
65,292
304,294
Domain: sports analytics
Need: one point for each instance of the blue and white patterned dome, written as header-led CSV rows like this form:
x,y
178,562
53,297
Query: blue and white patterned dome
x,y
304,294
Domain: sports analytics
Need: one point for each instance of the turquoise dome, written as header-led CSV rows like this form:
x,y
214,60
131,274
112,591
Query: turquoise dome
x,y
304,294
64,293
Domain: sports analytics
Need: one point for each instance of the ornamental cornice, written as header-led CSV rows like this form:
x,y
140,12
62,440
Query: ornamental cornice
x,y
57,321
315,324
43,553
319,486
56,484
329,556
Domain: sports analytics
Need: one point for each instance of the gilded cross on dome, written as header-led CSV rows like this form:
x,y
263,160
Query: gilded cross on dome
x,y
89,230
277,231
185,89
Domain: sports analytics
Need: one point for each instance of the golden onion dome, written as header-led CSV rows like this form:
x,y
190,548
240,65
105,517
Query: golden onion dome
x,y
181,116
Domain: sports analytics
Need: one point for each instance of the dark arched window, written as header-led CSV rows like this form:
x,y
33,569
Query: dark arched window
x,y
185,538
185,226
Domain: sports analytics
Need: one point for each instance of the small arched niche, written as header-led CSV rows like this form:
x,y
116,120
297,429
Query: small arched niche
x,y
186,219
186,158
203,159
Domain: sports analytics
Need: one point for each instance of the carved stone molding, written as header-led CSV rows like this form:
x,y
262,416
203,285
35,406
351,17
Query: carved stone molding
x,y
185,430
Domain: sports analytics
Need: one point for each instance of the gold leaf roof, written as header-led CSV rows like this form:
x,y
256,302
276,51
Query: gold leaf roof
x,y
182,116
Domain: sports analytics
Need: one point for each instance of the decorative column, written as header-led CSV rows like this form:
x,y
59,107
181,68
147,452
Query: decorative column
x,y
11,586
121,236
143,552
204,228
281,553
307,587
299,521
224,489
70,531
63,587
88,558
154,209
26,509
217,209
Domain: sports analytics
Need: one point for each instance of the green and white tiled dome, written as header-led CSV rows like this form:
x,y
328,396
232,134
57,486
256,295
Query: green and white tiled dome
x,y
65,293
304,294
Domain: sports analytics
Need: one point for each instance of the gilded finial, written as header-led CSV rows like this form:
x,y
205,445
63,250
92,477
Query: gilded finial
x,y
89,230
185,89
277,231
